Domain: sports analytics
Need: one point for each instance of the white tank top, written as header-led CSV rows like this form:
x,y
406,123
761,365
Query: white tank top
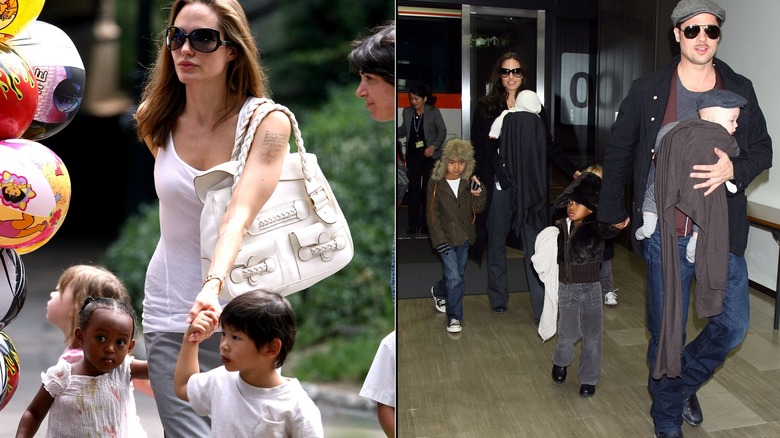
x,y
173,277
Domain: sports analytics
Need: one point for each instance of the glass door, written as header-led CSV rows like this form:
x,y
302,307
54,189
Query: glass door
x,y
487,34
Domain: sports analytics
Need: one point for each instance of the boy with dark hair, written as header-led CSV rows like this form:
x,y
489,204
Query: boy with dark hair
x,y
455,196
247,396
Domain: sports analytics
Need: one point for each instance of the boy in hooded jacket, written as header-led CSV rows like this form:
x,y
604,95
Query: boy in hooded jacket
x,y
455,196
580,254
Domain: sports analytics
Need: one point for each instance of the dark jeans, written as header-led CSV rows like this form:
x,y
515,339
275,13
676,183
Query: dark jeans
x,y
498,227
452,285
419,170
703,355
580,309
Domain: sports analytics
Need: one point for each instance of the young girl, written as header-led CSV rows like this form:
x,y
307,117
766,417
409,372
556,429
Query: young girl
x,y
74,285
90,397
580,255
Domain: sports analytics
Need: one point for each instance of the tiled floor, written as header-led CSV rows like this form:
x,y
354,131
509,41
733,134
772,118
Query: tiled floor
x,y
493,379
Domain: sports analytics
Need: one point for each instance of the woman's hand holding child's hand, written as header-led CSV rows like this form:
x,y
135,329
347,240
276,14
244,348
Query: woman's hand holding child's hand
x,y
207,299
203,326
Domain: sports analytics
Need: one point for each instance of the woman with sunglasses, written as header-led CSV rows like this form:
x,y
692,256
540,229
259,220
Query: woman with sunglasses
x,y
493,225
669,94
205,72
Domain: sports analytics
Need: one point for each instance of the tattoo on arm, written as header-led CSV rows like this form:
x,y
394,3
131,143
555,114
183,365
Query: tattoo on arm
x,y
273,144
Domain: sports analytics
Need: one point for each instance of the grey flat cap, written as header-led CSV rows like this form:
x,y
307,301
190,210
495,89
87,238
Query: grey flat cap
x,y
720,98
688,8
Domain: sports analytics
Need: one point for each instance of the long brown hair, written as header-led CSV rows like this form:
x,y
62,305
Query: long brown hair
x,y
164,97
495,100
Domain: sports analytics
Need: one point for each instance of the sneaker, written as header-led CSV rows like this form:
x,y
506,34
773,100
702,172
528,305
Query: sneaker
x,y
454,326
440,303
610,298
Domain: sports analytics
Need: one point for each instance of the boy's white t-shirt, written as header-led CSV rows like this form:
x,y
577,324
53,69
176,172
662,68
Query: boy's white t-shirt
x,y
238,409
379,385
454,185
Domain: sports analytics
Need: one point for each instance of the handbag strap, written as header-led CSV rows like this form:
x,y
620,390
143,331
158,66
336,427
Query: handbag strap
x,y
247,125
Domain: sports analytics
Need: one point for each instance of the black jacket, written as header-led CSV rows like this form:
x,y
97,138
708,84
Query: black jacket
x,y
581,249
630,149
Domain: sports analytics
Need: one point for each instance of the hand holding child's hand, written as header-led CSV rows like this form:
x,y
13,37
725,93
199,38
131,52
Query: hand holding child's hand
x,y
207,299
203,326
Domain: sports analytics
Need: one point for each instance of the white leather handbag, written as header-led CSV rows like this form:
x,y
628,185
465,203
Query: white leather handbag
x,y
300,235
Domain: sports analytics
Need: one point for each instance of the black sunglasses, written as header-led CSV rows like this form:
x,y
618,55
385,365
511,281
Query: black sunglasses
x,y
516,72
203,40
712,31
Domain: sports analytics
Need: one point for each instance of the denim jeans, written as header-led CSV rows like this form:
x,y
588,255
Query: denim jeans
x,y
703,355
580,310
452,285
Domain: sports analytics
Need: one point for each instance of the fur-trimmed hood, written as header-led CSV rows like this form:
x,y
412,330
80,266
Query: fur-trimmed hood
x,y
457,148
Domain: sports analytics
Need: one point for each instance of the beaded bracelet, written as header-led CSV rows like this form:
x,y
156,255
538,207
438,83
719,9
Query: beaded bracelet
x,y
214,277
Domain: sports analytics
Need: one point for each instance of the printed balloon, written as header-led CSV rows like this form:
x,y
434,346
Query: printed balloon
x,y
59,72
9,369
13,286
35,194
16,14
18,94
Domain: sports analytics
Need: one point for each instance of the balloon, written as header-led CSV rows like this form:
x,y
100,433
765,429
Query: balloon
x,y
35,194
9,369
18,94
15,14
13,286
59,71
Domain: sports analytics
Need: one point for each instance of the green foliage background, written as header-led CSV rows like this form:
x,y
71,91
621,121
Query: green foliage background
x,y
303,43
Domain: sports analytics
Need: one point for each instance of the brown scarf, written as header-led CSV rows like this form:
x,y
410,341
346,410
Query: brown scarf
x,y
682,222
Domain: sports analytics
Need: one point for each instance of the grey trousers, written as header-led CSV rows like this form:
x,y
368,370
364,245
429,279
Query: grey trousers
x,y
607,284
178,419
580,316
499,225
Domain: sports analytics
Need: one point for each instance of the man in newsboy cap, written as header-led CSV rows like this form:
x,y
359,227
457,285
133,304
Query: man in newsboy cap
x,y
689,8
664,96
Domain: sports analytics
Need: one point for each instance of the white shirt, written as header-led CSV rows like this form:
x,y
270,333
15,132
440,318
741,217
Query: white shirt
x,y
379,385
238,409
173,277
89,406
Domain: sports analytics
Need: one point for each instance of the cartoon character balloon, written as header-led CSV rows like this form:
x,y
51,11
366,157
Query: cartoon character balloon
x,y
35,194
13,286
9,369
16,14
59,72
18,94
